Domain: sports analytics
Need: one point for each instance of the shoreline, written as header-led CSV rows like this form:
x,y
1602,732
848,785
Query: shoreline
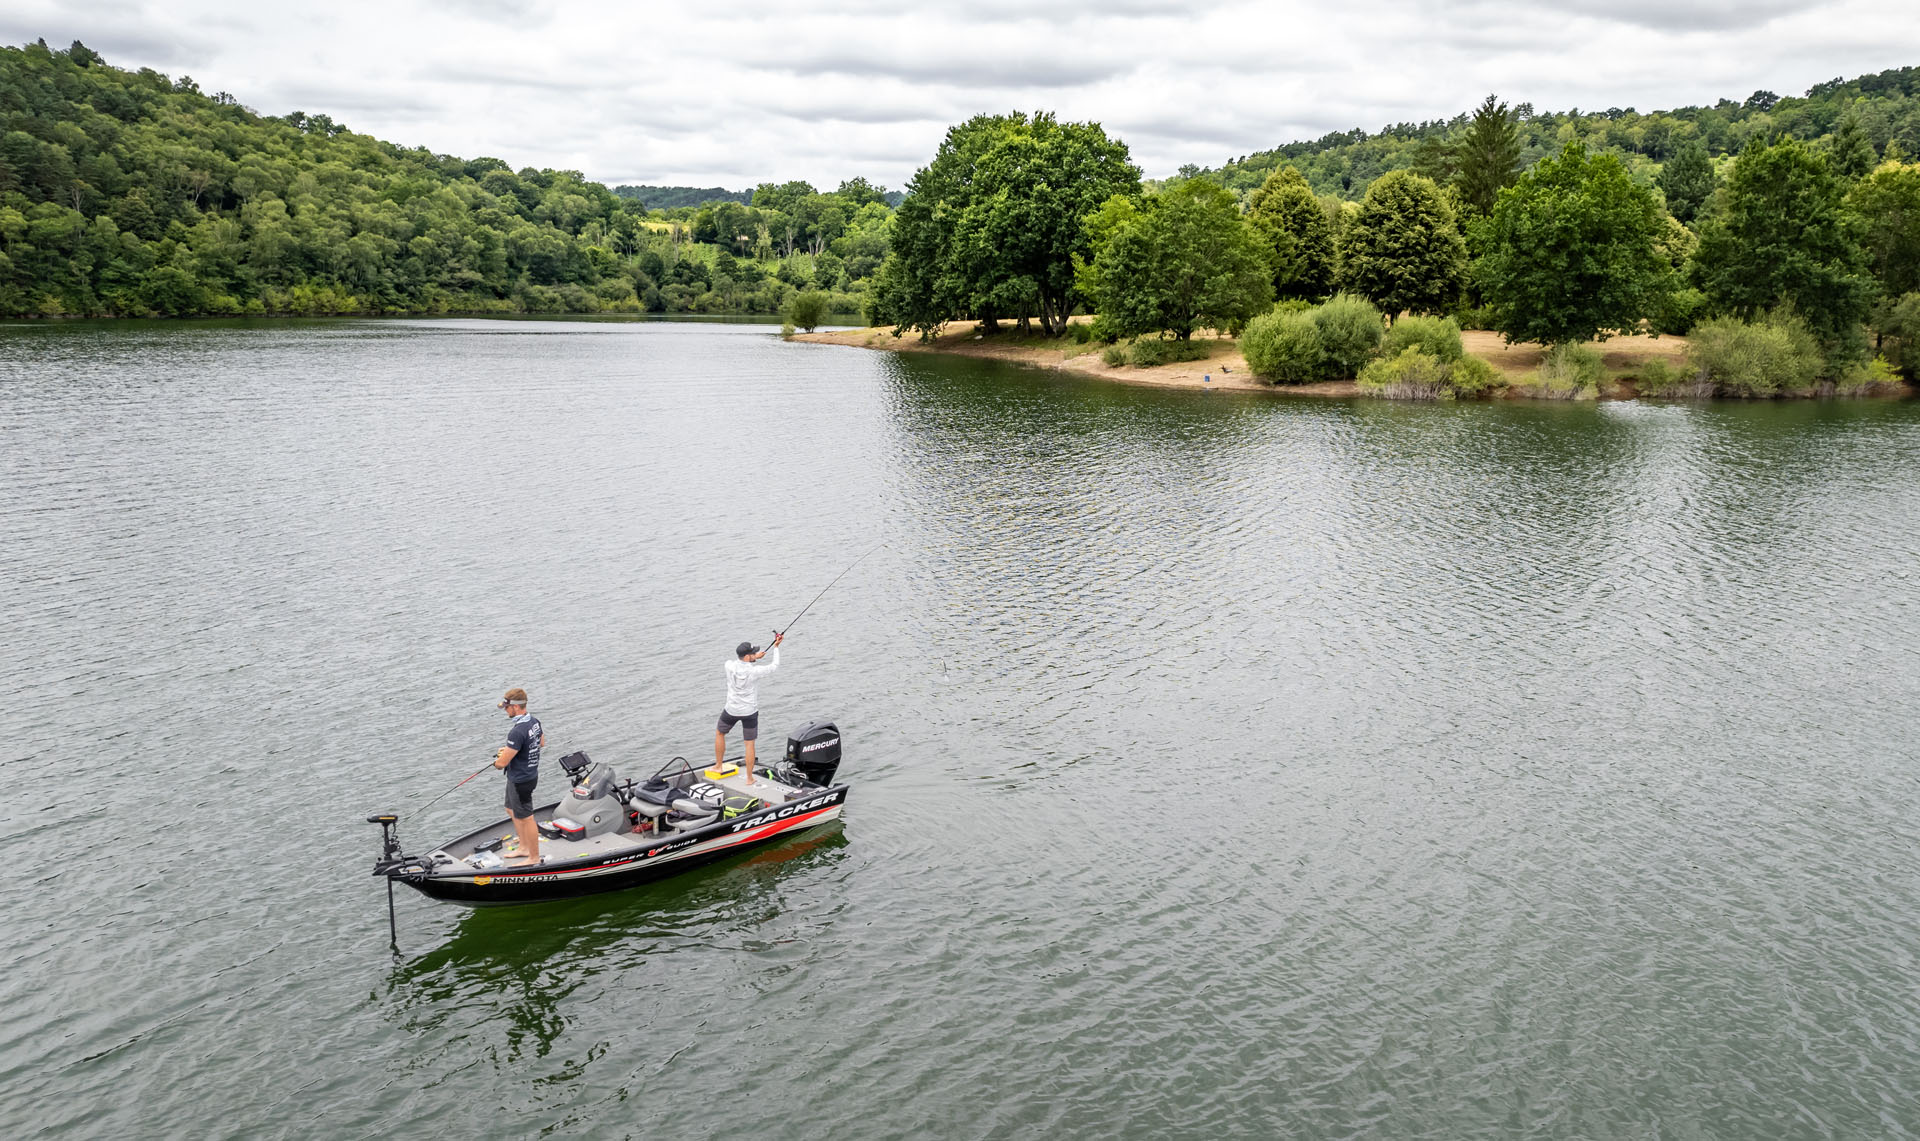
x,y
1227,367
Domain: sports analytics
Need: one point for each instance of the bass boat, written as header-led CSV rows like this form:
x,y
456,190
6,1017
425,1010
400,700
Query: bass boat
x,y
607,834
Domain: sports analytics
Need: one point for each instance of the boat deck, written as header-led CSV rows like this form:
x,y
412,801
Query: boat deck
x,y
558,851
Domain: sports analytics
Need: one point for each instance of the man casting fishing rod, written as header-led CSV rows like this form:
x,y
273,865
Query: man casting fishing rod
x,y
744,672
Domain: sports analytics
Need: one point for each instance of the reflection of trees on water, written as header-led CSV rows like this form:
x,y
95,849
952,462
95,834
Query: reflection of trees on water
x,y
507,985
1056,508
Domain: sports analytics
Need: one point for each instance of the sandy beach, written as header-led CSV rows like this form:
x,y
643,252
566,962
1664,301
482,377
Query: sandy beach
x,y
1226,367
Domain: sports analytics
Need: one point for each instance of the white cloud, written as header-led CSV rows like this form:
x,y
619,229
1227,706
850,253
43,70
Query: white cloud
x,y
759,91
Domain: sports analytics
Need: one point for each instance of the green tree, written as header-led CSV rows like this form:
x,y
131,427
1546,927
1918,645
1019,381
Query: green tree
x,y
1403,250
1889,202
1024,222
1852,153
1786,236
917,287
782,196
1296,233
859,192
1687,180
1487,158
807,310
992,226
1181,261
1571,251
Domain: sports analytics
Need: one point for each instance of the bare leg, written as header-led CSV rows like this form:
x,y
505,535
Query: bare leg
x,y
528,834
749,762
719,749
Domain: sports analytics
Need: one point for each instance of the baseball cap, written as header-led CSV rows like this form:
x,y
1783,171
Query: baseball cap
x,y
745,648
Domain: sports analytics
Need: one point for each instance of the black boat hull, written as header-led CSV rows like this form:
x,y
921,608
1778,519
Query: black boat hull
x,y
659,858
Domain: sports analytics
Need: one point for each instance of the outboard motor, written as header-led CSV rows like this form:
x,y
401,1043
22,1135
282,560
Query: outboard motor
x,y
592,804
813,751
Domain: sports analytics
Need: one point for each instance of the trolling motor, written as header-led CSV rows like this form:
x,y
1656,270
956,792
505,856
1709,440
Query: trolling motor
x,y
390,858
389,838
394,865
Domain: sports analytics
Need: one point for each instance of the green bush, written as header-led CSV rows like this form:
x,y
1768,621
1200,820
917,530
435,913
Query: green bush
x,y
1898,323
1471,376
808,310
1658,378
1410,374
1776,356
1568,372
1114,355
1435,336
1350,331
1293,305
1080,334
1474,317
1868,378
1146,352
1284,347
1416,374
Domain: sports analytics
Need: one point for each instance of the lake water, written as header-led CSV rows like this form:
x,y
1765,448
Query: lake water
x,y
1222,764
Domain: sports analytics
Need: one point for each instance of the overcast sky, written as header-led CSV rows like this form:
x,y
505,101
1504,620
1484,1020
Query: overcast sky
x,y
736,94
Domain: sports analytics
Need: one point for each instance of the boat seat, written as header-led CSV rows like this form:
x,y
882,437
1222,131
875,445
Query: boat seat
x,y
693,814
648,808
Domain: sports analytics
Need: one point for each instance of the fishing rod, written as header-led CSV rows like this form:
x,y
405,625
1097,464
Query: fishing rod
x,y
451,791
779,634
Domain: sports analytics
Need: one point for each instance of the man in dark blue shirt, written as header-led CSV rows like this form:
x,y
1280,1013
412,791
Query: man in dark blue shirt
x,y
520,757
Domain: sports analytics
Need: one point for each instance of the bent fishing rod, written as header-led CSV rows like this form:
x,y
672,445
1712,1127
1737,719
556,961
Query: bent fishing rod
x,y
779,634
455,788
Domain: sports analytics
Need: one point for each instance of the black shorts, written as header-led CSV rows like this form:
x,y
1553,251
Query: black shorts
x,y
750,724
520,800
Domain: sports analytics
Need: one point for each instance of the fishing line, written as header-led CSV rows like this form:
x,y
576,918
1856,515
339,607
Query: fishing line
x,y
829,586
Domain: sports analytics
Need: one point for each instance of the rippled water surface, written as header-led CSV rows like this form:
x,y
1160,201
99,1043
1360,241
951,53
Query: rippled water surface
x,y
1222,765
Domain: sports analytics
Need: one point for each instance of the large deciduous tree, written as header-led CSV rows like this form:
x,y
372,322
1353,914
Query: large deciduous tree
x,y
1296,232
1571,251
1000,216
1179,261
1402,250
1786,236
916,287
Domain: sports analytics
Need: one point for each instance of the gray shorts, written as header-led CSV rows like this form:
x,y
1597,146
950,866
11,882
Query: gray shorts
x,y
520,800
750,725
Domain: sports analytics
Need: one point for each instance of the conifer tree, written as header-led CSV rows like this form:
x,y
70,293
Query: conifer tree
x,y
1687,180
1487,158
1852,154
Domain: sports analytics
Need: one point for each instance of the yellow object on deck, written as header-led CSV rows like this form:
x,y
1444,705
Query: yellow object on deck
x,y
723,771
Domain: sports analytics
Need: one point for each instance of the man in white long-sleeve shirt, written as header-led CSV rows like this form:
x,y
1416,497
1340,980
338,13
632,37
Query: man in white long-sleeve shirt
x,y
743,698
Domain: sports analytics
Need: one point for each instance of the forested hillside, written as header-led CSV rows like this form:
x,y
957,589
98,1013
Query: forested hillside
x,y
1885,110
131,193
679,197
